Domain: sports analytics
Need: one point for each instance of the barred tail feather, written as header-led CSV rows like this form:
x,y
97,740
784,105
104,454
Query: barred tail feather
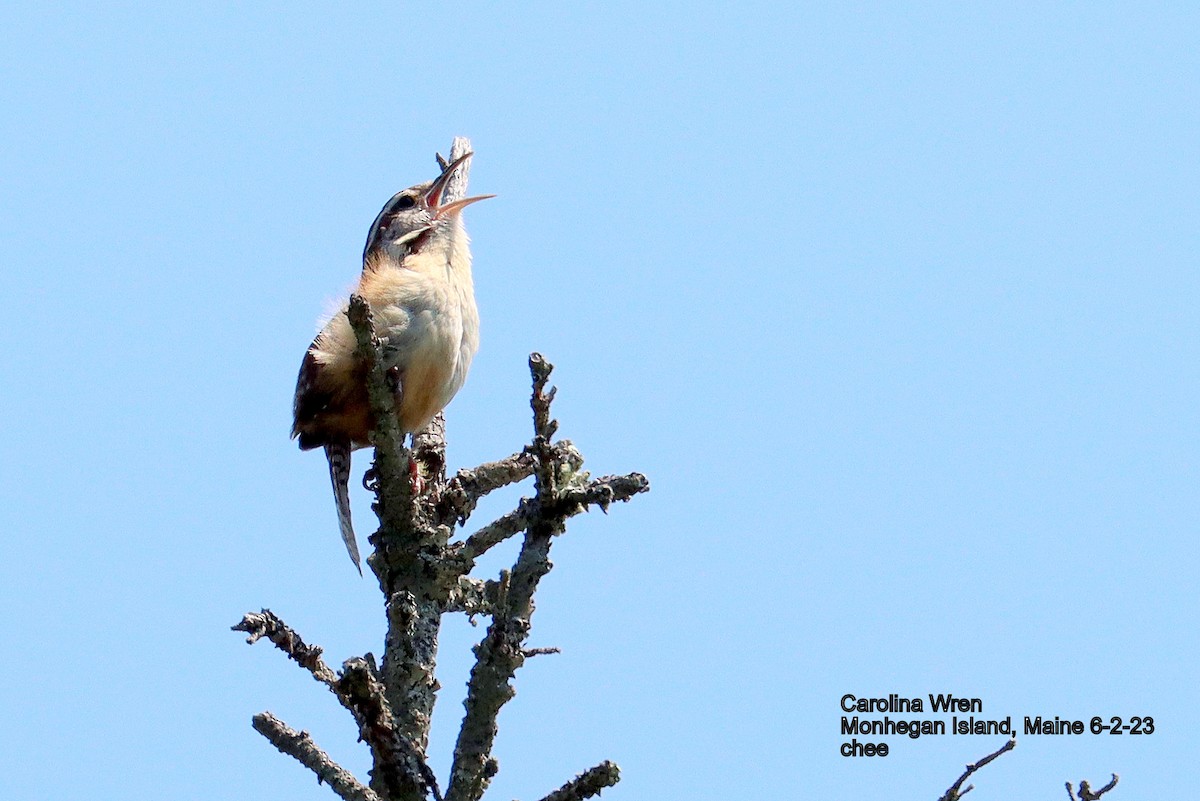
x,y
338,454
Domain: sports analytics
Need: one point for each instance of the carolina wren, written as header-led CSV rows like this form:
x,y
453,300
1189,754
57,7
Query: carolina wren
x,y
416,277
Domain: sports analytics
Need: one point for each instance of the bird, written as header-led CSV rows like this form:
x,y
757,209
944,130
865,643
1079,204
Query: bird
x,y
416,278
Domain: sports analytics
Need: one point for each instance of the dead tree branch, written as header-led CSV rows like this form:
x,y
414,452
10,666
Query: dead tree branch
x,y
1086,793
588,783
267,624
400,768
299,745
956,792
497,532
468,486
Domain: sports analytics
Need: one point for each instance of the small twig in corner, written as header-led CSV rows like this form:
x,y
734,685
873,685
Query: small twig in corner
x,y
300,745
540,651
1086,793
588,783
956,792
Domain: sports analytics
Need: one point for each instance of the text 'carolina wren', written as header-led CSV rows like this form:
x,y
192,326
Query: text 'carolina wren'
x,y
416,277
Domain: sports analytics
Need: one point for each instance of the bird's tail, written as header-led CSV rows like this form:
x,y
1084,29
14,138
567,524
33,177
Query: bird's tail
x,y
338,454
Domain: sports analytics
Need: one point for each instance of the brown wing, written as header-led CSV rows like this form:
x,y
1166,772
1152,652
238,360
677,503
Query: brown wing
x,y
326,410
310,400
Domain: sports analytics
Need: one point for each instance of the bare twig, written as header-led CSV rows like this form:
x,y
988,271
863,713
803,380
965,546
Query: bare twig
x,y
299,745
572,501
267,624
531,652
359,691
468,486
602,492
588,783
953,794
544,426
1086,793
496,532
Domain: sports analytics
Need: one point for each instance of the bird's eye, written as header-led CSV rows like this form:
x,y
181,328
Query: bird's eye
x,y
405,202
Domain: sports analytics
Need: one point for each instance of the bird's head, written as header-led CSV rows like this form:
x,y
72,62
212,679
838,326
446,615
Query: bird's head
x,y
417,215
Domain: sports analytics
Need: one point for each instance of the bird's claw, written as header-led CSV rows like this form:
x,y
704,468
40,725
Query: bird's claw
x,y
370,480
393,379
414,473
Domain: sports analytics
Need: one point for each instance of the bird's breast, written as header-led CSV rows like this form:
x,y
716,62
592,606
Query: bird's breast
x,y
428,364
428,327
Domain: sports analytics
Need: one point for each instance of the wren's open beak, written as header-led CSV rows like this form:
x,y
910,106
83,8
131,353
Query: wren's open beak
x,y
454,208
433,195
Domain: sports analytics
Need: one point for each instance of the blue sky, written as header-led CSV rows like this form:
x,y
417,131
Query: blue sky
x,y
896,305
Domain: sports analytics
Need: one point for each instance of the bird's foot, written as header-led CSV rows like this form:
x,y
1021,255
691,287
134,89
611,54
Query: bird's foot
x,y
371,479
414,473
393,379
